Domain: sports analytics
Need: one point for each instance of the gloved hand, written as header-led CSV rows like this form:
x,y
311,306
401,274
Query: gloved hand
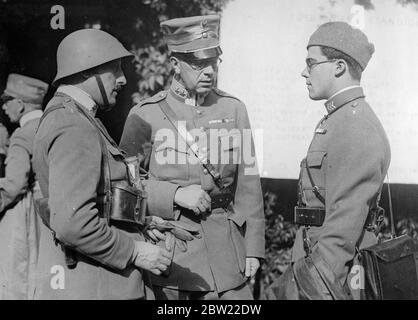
x,y
156,229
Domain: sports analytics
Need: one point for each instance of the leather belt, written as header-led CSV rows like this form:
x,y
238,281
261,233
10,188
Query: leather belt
x,y
309,216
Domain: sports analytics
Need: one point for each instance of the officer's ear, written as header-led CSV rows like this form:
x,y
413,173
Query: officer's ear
x,y
341,67
175,63
21,109
87,74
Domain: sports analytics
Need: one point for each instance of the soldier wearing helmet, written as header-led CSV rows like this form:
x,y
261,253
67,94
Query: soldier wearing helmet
x,y
90,245
220,197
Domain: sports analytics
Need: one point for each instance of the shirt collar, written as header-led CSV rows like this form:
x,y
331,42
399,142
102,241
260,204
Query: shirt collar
x,y
342,97
79,96
35,114
184,95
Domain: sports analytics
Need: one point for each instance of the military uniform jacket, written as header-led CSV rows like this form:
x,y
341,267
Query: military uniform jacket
x,y
18,221
229,236
348,159
67,162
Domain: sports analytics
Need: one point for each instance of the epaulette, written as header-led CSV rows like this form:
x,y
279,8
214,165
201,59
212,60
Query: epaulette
x,y
224,94
68,103
154,99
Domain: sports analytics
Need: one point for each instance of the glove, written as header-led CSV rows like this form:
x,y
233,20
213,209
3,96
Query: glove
x,y
182,231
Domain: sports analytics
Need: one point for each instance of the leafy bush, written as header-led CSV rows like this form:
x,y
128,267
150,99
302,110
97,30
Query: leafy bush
x,y
408,226
280,235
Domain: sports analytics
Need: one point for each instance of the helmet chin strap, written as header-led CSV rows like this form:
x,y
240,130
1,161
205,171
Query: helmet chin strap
x,y
99,81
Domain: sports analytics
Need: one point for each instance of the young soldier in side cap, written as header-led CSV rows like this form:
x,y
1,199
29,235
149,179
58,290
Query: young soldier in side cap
x,y
222,200
342,175
22,102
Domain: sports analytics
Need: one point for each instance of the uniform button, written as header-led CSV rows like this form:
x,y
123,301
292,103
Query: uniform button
x,y
205,171
198,112
355,104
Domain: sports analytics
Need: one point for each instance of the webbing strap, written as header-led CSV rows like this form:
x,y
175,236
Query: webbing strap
x,y
186,136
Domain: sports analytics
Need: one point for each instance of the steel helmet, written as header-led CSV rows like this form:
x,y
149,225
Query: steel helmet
x,y
85,49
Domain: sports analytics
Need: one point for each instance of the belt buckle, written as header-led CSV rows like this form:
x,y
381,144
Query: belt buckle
x,y
221,200
309,216
139,212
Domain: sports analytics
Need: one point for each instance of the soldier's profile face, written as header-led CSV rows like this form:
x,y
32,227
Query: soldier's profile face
x,y
319,74
113,80
198,76
13,109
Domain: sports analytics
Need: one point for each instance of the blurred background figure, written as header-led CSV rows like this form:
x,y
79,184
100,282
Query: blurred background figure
x,y
22,102
4,142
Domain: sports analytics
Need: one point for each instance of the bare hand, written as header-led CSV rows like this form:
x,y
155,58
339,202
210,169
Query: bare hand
x,y
251,267
151,257
194,198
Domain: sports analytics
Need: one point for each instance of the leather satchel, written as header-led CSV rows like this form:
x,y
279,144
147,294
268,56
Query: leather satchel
x,y
390,270
391,267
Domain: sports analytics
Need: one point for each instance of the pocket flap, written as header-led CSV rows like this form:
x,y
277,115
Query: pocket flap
x,y
239,219
315,158
114,151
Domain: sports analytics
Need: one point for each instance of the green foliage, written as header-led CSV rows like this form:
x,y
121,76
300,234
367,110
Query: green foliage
x,y
280,236
404,226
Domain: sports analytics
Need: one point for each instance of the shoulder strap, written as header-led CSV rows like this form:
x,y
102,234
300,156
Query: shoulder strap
x,y
315,188
105,161
171,116
46,112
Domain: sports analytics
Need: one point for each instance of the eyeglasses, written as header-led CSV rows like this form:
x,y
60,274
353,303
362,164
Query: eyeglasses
x,y
199,65
5,98
310,65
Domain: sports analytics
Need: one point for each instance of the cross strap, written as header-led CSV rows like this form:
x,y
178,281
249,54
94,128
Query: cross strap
x,y
105,156
171,116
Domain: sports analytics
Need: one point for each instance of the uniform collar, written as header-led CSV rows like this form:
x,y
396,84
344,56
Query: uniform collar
x,y
79,96
35,114
184,95
343,97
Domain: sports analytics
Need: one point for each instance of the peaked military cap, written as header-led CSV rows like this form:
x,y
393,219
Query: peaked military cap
x,y
25,88
343,37
197,36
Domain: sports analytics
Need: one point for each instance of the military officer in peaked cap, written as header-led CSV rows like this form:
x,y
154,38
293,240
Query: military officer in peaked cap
x,y
221,198
19,227
91,246
342,175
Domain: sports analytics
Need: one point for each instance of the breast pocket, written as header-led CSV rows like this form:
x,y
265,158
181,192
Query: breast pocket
x,y
229,152
316,164
169,162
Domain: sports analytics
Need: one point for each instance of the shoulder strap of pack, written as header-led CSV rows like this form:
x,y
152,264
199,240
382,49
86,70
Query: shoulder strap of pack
x,y
105,161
